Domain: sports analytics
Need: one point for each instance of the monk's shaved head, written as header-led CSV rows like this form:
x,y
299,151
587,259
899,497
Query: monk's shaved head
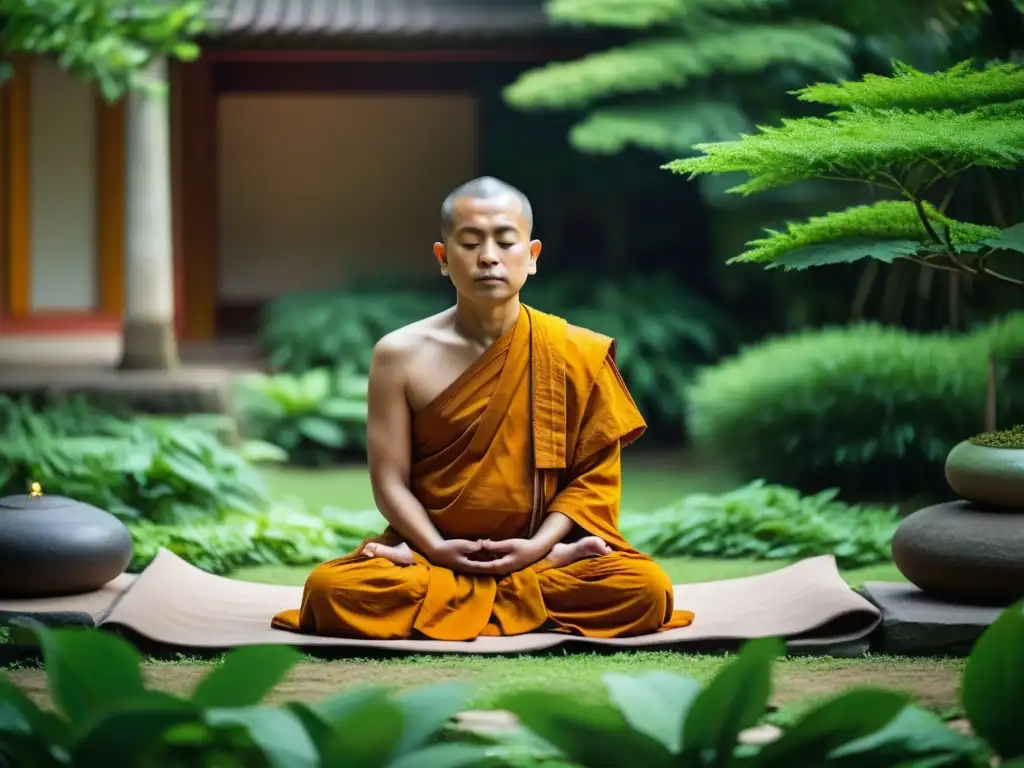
x,y
483,188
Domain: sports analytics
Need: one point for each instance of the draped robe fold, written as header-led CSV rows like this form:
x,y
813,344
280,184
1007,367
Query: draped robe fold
x,y
533,426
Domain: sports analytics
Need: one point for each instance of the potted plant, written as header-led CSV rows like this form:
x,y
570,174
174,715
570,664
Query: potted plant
x,y
988,469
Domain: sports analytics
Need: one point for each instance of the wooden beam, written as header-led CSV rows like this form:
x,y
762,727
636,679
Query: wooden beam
x,y
18,189
110,205
195,140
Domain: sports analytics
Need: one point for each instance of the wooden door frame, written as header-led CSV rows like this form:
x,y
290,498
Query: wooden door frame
x,y
16,313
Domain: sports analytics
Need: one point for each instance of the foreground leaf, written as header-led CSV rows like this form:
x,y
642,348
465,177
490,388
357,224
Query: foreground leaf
x,y
425,711
845,252
1010,239
89,670
134,731
278,733
848,717
366,736
993,684
592,735
655,704
913,733
28,734
442,756
733,701
245,676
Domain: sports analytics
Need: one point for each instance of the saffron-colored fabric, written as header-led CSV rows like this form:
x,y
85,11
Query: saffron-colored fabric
x,y
474,454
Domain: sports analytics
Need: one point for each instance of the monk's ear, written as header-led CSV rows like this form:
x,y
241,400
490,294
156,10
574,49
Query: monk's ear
x,y
441,255
535,249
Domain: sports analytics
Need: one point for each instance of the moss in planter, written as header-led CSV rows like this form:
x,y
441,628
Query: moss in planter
x,y
1004,438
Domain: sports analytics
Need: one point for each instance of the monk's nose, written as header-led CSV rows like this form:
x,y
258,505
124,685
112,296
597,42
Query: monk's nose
x,y
488,256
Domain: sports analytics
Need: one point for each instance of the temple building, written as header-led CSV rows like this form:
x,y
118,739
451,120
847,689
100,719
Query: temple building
x,y
309,144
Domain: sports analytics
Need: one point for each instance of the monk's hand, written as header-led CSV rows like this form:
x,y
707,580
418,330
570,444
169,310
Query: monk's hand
x,y
510,555
460,555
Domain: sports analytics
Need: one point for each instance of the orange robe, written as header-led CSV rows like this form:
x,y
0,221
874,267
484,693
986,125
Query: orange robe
x,y
475,462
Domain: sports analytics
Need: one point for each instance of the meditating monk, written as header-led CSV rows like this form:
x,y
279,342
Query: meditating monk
x,y
494,439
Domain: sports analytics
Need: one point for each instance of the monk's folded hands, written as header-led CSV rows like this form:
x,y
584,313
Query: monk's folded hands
x,y
511,555
460,556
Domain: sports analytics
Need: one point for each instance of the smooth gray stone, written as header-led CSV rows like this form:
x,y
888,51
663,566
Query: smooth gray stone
x,y
963,553
914,624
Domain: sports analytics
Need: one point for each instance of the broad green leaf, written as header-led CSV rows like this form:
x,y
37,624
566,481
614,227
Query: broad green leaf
x,y
245,676
336,708
993,684
1010,239
30,733
316,385
590,734
426,710
442,756
914,732
88,670
844,252
655,704
733,701
278,733
262,452
126,736
851,716
367,735
344,410
319,730
322,431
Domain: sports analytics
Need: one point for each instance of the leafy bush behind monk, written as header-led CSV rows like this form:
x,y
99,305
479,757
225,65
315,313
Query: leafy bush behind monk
x,y
869,409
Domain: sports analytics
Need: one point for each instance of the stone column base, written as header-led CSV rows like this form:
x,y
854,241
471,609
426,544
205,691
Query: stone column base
x,y
149,345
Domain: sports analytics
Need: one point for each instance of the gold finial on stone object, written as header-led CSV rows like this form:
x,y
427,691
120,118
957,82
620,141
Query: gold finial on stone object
x,y
37,490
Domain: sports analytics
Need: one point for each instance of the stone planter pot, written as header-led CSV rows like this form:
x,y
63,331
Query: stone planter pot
x,y
51,546
962,553
989,477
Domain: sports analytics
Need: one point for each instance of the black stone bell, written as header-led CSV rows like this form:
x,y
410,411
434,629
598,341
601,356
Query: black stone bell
x,y
52,546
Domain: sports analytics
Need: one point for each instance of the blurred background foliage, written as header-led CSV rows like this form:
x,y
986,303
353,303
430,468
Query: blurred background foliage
x,y
769,372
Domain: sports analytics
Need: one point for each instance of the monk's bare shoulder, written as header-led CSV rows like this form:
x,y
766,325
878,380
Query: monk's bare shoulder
x,y
400,348
411,357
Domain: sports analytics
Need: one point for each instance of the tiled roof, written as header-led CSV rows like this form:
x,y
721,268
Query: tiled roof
x,y
378,18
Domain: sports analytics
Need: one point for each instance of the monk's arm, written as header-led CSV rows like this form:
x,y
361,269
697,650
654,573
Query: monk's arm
x,y
389,448
590,499
555,527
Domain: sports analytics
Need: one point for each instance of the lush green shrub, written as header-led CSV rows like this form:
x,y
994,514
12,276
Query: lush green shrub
x,y
868,409
766,522
338,329
283,535
165,470
314,417
105,715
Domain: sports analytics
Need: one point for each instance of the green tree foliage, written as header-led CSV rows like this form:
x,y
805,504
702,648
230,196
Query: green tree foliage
x,y
912,135
693,71
109,42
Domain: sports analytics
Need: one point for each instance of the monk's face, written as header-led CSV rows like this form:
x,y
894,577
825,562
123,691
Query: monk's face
x,y
488,254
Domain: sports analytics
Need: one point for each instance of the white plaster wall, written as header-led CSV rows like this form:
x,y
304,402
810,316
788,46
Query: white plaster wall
x,y
316,189
58,350
63,195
